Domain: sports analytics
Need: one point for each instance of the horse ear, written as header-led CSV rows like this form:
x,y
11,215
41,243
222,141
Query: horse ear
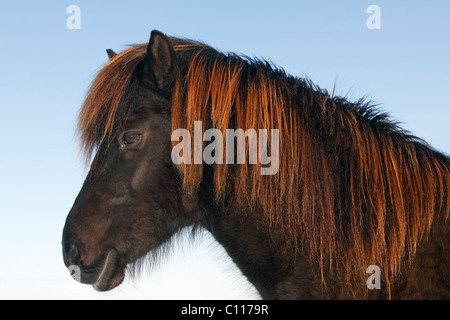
x,y
110,53
161,61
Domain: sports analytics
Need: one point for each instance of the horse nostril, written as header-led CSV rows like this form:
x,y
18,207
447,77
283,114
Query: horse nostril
x,y
71,255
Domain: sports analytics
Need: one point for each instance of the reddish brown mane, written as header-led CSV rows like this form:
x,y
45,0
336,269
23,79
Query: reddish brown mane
x,y
352,189
101,112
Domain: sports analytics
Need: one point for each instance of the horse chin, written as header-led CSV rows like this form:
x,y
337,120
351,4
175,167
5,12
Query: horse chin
x,y
111,274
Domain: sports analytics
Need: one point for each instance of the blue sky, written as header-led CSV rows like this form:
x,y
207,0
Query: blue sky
x,y
46,70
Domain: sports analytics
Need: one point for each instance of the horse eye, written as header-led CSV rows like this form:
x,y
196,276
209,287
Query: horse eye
x,y
131,138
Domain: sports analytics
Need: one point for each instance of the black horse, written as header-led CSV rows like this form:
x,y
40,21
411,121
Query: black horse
x,y
351,189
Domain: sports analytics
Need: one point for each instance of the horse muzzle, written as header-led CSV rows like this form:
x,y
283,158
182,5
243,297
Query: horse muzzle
x,y
104,274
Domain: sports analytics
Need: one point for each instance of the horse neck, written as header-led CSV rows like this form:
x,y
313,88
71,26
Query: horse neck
x,y
261,253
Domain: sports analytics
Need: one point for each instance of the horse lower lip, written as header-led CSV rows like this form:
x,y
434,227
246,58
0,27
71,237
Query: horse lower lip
x,y
107,271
